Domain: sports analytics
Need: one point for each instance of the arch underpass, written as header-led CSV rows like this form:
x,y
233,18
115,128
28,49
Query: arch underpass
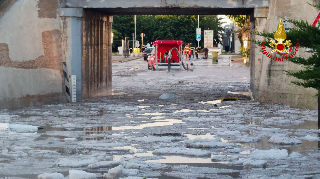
x,y
47,42
88,25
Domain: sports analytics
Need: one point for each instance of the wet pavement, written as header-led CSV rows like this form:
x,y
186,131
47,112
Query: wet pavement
x,y
132,133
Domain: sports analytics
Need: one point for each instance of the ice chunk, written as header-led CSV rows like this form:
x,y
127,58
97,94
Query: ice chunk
x,y
181,151
79,174
114,173
296,155
18,127
283,139
228,133
206,143
269,154
22,128
135,164
130,172
310,138
51,176
255,163
168,96
103,164
4,126
75,162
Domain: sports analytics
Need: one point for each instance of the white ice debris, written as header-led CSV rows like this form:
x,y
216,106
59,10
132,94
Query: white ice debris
x,y
310,138
255,163
228,133
76,162
18,128
296,155
168,96
4,126
103,164
79,174
130,172
206,143
114,173
51,176
269,154
181,151
247,139
136,164
283,139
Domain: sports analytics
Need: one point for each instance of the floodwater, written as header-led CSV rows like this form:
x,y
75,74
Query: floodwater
x,y
133,126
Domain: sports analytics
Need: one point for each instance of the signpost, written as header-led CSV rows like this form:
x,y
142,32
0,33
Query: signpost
x,y
208,38
198,35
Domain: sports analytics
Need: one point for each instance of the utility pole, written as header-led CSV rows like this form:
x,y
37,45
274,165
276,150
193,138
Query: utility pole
x,y
142,34
135,29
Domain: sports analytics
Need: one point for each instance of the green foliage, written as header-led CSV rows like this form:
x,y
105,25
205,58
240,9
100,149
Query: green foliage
x,y
242,21
165,27
239,20
308,37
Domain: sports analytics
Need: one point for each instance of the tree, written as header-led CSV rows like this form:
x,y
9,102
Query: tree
x,y
242,21
164,27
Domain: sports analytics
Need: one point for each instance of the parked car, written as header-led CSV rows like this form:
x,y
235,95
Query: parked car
x,y
147,52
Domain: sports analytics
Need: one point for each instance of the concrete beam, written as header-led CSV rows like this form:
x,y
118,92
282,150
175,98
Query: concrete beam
x,y
166,3
261,12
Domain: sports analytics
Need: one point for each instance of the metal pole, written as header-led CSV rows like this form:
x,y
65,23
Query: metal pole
x,y
198,27
135,29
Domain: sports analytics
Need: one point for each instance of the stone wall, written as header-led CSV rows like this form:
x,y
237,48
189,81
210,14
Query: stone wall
x,y
269,81
30,53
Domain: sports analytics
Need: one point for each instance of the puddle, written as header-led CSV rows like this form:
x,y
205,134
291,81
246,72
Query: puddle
x,y
222,107
210,102
190,110
152,114
181,160
158,123
168,134
245,93
264,144
143,107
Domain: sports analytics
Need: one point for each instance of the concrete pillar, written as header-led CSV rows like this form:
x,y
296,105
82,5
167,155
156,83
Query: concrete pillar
x,y
109,64
258,22
71,19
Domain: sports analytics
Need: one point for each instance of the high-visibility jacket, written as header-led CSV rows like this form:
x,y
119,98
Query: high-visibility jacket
x,y
187,50
198,49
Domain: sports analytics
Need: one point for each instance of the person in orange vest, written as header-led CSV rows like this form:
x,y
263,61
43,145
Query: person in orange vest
x,y
187,50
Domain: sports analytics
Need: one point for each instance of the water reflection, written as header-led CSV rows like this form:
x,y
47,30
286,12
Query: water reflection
x,y
95,131
181,159
158,123
210,102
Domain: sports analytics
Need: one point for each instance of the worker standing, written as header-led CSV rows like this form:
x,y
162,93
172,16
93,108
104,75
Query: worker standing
x,y
187,51
198,49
